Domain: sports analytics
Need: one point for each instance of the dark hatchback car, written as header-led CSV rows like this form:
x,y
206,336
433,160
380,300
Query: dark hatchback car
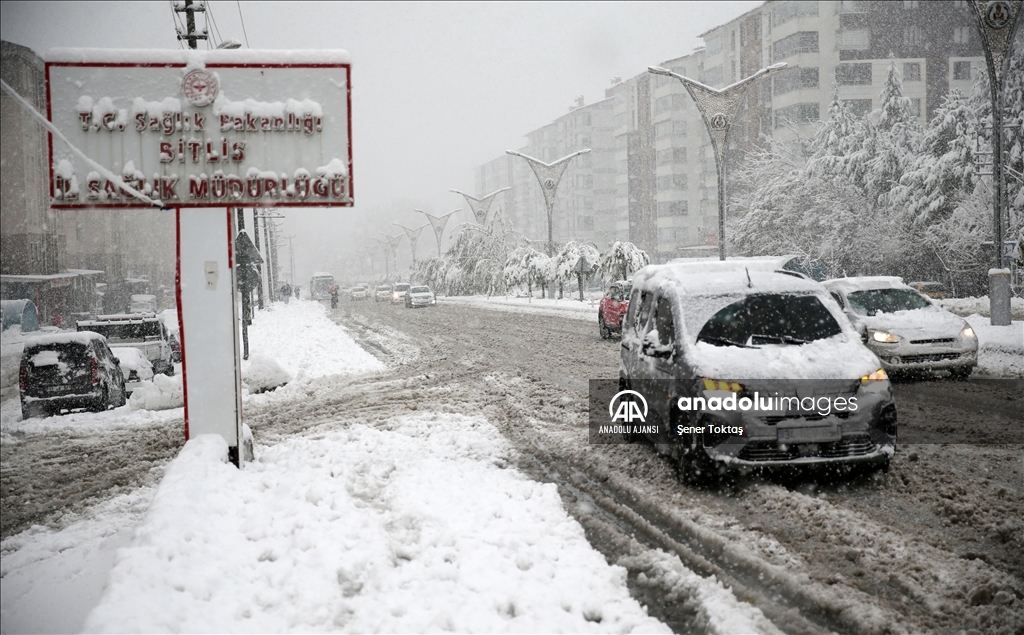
x,y
64,371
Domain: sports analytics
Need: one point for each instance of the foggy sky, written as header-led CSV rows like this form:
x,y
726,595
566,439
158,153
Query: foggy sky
x,y
437,88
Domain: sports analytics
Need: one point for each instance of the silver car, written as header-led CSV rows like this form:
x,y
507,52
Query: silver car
x,y
419,296
904,328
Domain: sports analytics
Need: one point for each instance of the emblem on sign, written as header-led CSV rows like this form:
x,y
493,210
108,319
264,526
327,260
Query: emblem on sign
x,y
997,14
718,121
200,87
549,184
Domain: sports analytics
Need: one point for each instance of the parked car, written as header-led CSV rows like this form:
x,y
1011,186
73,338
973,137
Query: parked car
x,y
382,293
398,292
613,308
746,335
144,331
934,290
419,296
65,371
904,328
359,292
135,368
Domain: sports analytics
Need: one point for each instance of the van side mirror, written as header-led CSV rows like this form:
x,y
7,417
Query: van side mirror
x,y
653,348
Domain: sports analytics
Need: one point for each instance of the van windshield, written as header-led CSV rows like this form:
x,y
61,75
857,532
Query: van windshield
x,y
770,319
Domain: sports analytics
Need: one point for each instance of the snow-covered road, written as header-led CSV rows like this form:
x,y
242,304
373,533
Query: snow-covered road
x,y
933,545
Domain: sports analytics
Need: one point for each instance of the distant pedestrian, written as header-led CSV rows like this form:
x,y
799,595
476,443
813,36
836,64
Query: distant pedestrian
x,y
333,290
286,292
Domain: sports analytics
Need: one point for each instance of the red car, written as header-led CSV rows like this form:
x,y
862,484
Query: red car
x,y
613,308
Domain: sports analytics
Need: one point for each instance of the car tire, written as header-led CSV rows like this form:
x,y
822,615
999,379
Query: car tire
x,y
962,373
103,402
30,411
602,328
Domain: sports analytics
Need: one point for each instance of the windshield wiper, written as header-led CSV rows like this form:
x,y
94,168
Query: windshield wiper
x,y
723,341
782,339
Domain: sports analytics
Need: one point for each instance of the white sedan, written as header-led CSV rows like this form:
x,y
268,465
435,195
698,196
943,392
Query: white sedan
x,y
135,367
904,328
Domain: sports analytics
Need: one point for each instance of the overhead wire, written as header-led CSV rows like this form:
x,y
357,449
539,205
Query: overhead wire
x,y
242,20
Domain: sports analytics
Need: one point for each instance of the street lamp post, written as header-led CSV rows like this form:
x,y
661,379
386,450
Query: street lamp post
x,y
413,235
549,175
393,245
438,223
998,21
718,109
481,205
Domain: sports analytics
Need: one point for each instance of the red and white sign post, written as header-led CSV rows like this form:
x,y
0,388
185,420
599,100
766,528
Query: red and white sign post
x,y
204,133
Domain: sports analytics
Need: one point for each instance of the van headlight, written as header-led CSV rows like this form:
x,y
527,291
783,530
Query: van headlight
x,y
968,333
884,337
877,381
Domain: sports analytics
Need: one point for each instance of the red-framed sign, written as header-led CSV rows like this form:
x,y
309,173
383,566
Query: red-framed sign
x,y
220,128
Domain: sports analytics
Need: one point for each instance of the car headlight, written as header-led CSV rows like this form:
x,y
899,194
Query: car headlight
x,y
884,337
968,333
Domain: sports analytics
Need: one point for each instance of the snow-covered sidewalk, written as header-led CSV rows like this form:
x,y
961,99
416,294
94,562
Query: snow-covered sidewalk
x,y
420,527
569,307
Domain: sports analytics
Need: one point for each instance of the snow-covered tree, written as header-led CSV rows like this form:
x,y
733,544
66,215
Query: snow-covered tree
x,y
942,174
568,258
622,259
525,266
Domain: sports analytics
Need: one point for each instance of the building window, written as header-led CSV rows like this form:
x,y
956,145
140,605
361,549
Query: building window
x,y
672,208
911,4
711,76
853,6
855,40
915,106
786,11
911,71
912,35
669,103
961,35
960,4
801,42
858,107
672,182
961,70
671,155
713,45
853,74
795,79
588,223
732,45
796,114
667,129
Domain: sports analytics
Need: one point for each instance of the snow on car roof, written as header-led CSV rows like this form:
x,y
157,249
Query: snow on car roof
x,y
865,283
724,281
79,337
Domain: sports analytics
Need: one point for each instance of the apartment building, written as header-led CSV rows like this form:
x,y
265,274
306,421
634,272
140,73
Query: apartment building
x,y
664,175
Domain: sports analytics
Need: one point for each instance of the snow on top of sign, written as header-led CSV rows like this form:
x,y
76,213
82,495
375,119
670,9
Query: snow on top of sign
x,y
333,169
224,106
197,59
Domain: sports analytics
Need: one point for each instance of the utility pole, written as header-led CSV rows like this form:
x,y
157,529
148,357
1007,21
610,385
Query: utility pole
x,y
190,9
259,268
